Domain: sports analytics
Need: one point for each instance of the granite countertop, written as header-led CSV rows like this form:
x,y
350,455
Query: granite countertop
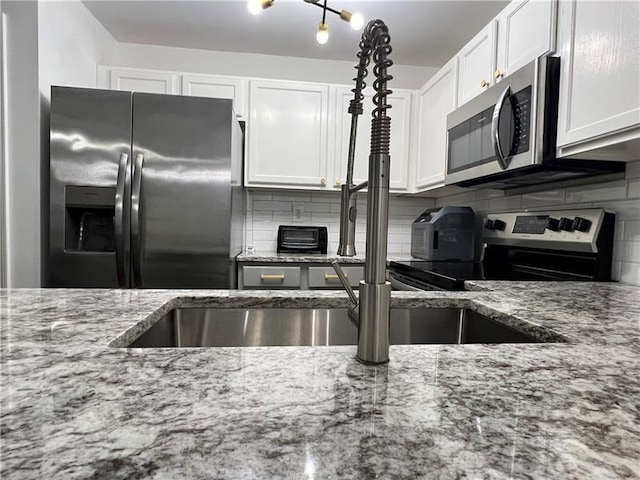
x,y
268,257
74,407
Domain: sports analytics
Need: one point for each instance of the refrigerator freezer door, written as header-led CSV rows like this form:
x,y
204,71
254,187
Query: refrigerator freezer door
x,y
184,194
89,187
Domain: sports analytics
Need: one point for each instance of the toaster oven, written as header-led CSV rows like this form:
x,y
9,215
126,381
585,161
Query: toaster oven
x,y
302,239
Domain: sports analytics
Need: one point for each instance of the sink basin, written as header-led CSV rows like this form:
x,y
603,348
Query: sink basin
x,y
234,327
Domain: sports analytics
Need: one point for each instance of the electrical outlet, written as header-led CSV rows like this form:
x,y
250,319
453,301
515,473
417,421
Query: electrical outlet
x,y
298,212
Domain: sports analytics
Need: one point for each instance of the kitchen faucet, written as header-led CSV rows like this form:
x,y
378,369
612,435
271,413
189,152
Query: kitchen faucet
x,y
372,315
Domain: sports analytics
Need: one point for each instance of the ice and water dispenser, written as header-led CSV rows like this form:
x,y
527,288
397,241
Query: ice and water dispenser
x,y
89,219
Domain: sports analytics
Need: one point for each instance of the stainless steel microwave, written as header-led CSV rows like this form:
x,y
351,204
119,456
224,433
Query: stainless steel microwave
x,y
506,136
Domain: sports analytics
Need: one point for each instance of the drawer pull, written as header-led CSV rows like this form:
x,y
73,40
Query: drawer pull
x,y
332,277
265,277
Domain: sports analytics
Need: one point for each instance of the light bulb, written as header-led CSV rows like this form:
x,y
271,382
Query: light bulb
x,y
356,21
254,6
322,36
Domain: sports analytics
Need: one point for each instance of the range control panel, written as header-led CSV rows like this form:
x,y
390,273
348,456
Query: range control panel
x,y
559,229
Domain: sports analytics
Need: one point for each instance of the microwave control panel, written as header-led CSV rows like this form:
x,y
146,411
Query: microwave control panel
x,y
521,105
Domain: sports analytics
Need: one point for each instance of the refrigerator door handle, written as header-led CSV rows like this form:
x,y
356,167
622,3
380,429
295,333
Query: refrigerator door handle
x,y
123,169
136,240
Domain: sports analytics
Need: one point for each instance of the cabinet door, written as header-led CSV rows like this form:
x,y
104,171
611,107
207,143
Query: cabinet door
x,y
476,61
145,81
287,132
214,86
435,101
600,67
400,113
526,31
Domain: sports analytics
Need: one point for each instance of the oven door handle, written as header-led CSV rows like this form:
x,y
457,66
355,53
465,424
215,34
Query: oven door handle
x,y
495,131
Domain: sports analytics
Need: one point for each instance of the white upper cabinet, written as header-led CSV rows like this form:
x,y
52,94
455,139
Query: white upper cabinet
x,y
400,113
600,79
475,64
147,81
287,133
526,31
215,86
523,31
435,101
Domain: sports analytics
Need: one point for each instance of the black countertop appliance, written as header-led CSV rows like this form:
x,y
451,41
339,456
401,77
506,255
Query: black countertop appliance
x,y
445,234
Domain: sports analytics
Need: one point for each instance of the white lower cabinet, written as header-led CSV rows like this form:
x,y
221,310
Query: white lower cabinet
x,y
600,77
287,135
435,101
274,276
400,114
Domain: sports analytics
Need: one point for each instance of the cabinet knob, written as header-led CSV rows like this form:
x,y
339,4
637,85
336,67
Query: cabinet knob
x,y
323,181
483,83
338,181
498,74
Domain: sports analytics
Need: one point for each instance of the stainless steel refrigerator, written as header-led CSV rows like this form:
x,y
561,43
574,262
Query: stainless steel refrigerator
x,y
145,190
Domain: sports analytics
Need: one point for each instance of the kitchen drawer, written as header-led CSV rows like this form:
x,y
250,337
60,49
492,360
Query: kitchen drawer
x,y
327,277
271,277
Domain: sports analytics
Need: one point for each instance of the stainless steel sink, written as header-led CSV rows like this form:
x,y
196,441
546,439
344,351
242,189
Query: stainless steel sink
x,y
233,327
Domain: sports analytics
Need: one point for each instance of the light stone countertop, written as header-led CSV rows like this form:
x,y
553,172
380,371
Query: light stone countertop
x,y
74,407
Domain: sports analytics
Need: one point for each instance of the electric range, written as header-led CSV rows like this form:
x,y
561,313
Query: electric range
x,y
554,245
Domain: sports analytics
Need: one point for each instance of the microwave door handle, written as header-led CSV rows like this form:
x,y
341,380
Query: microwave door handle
x,y
136,240
495,131
123,168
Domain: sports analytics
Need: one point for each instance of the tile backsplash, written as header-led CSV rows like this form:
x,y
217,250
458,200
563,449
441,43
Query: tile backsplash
x,y
266,210
621,197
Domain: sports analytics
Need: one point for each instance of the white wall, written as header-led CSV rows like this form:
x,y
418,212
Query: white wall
x,y
72,43
621,197
22,148
267,209
263,66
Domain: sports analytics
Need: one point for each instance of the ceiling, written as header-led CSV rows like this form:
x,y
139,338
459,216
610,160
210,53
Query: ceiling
x,y
423,33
